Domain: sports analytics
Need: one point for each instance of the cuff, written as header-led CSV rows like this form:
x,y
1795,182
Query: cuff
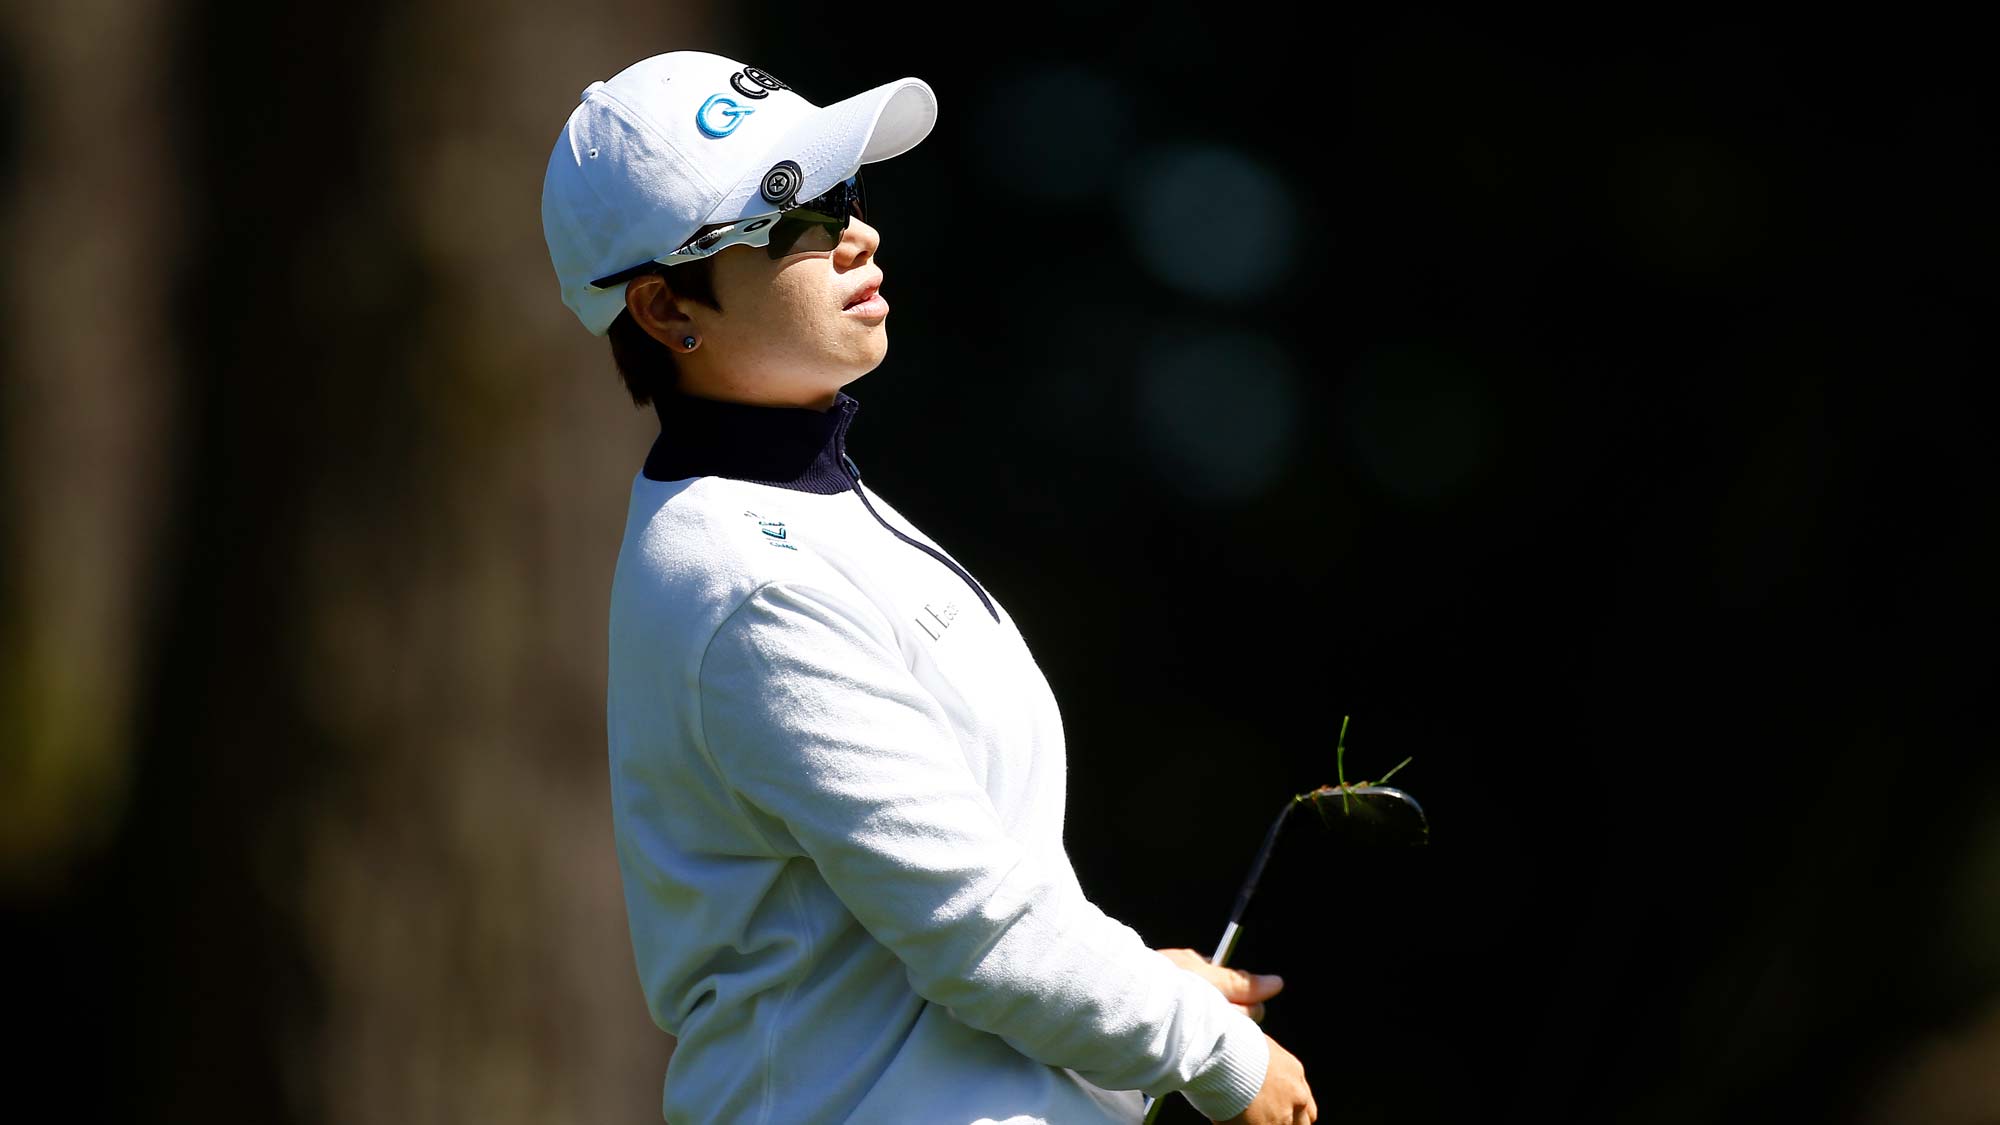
x,y
1229,1082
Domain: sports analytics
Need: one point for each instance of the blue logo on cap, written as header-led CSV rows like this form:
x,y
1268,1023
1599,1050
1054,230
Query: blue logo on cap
x,y
734,113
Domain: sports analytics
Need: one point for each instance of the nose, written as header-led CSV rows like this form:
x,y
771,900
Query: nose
x,y
858,244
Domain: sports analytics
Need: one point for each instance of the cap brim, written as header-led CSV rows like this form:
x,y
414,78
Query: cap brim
x,y
834,142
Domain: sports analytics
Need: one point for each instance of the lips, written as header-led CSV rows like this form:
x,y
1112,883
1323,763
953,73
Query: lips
x,y
863,294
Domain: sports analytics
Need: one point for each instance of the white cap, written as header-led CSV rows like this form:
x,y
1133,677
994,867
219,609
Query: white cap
x,y
678,141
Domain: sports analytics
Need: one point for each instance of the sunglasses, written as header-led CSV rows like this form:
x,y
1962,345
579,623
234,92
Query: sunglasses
x,y
813,227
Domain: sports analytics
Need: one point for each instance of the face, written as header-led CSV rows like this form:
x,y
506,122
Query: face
x,y
783,336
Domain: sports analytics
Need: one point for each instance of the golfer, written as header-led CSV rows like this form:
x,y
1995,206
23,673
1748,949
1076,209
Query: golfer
x,y
836,770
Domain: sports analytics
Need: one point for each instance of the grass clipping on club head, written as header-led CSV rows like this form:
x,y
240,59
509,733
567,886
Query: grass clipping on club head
x,y
1350,793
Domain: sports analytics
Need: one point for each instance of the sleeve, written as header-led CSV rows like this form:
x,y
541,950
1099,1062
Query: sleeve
x,y
813,718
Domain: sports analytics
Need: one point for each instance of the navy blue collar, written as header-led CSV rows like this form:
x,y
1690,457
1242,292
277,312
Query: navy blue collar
x,y
788,446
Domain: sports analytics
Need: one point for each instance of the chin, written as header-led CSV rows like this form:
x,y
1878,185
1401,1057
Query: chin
x,y
873,353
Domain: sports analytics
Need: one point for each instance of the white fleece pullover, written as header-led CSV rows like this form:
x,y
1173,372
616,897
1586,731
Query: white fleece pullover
x,y
838,783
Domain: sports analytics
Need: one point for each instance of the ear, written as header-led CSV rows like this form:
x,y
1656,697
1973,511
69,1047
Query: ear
x,y
652,307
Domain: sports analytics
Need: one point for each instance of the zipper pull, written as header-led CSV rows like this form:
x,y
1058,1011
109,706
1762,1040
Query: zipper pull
x,y
852,470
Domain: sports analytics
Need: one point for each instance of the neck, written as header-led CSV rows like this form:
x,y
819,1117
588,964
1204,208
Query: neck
x,y
692,384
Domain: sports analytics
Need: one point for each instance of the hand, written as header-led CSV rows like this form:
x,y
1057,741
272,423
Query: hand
x,y
1284,1099
1247,991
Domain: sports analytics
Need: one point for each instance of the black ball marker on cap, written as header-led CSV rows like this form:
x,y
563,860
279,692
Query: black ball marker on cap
x,y
781,184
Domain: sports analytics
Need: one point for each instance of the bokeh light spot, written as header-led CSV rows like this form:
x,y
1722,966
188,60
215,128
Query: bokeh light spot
x,y
1219,412
1211,222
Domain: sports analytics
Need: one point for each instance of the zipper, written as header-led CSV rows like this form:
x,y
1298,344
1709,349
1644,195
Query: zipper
x,y
854,474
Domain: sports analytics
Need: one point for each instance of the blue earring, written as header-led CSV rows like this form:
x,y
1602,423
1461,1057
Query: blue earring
x,y
687,342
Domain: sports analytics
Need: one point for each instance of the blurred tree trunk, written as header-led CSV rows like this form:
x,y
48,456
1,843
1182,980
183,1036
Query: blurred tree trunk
x,y
342,529
92,229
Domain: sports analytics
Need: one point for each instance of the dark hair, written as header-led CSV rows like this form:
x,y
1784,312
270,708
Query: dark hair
x,y
646,364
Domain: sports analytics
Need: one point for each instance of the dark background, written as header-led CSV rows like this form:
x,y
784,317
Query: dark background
x,y
1586,409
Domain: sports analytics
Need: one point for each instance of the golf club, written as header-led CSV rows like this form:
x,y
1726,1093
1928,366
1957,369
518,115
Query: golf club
x,y
1363,816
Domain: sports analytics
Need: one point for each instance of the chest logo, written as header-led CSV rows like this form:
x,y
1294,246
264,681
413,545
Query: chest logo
x,y
774,531
937,618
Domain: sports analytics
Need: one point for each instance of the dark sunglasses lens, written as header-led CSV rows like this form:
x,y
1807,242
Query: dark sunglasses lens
x,y
845,198
814,227
798,233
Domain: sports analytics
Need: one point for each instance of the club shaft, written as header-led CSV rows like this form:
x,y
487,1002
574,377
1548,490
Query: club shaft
x,y
1257,867
1227,946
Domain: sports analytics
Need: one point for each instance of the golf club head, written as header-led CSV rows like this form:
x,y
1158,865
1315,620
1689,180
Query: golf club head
x,y
1375,816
